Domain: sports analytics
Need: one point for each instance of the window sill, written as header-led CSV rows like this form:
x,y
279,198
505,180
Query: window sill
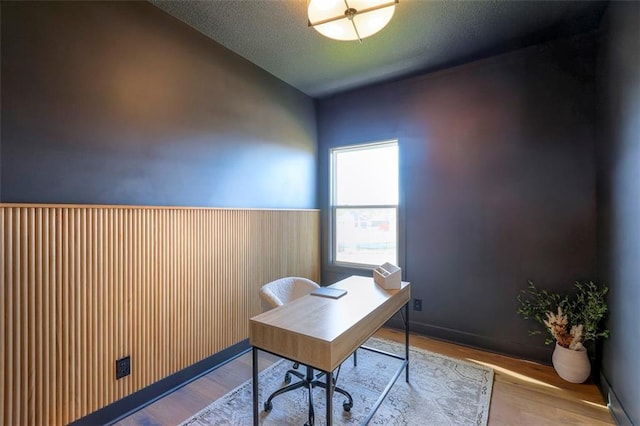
x,y
349,268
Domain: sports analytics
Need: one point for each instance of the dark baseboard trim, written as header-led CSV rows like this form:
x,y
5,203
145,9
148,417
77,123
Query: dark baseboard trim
x,y
613,403
140,399
532,353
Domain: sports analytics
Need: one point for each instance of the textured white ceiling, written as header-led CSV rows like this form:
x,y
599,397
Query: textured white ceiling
x,y
422,36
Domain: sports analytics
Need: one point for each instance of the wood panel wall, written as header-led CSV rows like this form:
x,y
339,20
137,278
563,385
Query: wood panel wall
x,y
86,285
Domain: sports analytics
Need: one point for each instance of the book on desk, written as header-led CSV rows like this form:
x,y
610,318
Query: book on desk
x,y
331,293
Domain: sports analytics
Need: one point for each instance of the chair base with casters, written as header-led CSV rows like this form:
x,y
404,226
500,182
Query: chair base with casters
x,y
308,381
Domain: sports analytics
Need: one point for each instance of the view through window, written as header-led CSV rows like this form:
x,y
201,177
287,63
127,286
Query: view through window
x,y
365,204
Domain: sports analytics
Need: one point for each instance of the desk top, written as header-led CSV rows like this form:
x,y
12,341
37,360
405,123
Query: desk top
x,y
322,332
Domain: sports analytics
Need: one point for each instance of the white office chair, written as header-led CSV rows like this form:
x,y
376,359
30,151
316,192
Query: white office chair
x,y
284,290
277,293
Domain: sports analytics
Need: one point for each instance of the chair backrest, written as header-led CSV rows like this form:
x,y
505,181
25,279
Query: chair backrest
x,y
284,290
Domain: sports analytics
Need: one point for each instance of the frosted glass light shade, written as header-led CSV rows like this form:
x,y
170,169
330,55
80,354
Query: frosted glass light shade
x,y
351,19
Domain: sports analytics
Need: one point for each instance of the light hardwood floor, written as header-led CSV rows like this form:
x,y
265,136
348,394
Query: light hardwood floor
x,y
524,393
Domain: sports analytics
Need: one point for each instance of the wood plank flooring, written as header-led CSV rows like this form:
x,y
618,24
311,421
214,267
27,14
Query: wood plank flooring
x,y
524,393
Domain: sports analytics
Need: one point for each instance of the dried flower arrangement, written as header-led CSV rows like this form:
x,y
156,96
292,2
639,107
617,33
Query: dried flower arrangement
x,y
571,320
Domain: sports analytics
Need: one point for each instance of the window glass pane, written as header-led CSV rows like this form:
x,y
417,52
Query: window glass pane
x,y
366,235
366,175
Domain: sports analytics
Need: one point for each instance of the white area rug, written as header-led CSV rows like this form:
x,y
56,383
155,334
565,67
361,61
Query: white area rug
x,y
442,391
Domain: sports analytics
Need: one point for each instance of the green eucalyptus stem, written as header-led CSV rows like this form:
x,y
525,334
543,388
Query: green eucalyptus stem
x,y
587,306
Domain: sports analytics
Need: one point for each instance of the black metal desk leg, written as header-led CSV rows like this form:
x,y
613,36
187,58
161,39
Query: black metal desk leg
x,y
406,341
329,378
255,386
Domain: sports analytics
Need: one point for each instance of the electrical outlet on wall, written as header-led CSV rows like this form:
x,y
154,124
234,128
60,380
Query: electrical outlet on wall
x,y
123,367
417,304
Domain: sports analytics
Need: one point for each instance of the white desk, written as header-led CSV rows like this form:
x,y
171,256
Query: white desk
x,y
321,332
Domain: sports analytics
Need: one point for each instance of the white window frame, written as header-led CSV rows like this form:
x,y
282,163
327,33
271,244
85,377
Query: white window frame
x,y
333,206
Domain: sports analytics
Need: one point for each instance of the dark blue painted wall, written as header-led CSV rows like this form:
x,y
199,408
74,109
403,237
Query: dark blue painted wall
x,y
619,203
498,179
120,103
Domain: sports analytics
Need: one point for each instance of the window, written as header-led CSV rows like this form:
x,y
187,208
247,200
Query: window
x,y
364,204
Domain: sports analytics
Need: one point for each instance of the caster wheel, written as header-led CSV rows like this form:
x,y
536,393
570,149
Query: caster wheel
x,y
347,406
287,379
268,406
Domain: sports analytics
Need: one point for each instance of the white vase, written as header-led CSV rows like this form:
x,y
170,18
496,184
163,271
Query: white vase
x,y
573,366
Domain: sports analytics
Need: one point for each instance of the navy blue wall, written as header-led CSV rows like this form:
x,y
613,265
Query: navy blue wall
x,y
619,203
120,103
498,179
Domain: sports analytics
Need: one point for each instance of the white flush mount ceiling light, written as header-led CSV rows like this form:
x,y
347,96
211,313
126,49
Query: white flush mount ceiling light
x,y
350,19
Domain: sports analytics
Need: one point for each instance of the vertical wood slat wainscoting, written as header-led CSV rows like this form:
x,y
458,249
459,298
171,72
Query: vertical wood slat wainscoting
x,y
86,285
